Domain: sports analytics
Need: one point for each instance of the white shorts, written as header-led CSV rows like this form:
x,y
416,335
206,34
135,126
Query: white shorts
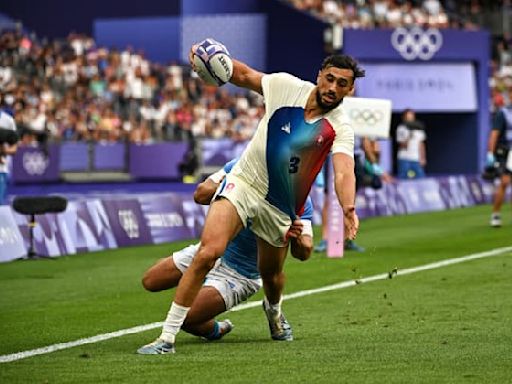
x,y
232,286
267,221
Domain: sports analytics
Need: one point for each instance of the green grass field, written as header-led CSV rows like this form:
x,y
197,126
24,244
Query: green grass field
x,y
448,325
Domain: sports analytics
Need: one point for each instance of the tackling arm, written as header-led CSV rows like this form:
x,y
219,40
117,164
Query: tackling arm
x,y
301,247
205,191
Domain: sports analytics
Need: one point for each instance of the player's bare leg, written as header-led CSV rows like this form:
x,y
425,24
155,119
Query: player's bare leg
x,y
499,197
270,264
200,320
222,224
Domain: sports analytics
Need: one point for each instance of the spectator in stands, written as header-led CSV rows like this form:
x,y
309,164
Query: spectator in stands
x,y
378,13
499,156
73,87
411,155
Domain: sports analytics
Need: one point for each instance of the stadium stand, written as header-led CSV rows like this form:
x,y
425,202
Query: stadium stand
x,y
73,90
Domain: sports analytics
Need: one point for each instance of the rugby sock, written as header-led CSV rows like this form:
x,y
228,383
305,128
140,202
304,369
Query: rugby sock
x,y
275,308
215,334
173,322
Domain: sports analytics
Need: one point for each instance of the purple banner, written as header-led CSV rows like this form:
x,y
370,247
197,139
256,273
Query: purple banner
x,y
74,156
32,165
216,152
89,226
11,242
166,217
127,222
51,235
95,224
424,195
422,87
418,44
109,156
157,160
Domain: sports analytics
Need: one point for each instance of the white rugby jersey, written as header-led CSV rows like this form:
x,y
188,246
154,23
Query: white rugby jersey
x,y
287,152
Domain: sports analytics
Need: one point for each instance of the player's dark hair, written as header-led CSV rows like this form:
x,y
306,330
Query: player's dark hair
x,y
344,62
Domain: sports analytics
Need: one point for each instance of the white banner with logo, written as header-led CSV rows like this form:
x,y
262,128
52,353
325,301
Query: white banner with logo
x,y
369,117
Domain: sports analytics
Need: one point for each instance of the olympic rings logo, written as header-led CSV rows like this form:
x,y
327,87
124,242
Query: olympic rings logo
x,y
416,43
366,116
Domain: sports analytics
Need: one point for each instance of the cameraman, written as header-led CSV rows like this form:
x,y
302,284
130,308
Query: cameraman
x,y
8,146
498,149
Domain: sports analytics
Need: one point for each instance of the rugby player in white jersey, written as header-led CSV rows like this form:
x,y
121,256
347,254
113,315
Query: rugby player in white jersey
x,y
234,278
268,187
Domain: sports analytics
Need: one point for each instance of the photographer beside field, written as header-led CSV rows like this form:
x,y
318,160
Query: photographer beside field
x,y
500,157
411,155
8,147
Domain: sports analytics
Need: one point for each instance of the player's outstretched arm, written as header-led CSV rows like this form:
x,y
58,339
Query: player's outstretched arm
x,y
246,77
345,186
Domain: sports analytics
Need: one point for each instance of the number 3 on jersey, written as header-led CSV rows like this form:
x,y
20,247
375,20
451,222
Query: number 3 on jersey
x,y
294,164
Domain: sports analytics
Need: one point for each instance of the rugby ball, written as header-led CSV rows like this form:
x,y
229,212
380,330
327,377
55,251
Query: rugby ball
x,y
212,62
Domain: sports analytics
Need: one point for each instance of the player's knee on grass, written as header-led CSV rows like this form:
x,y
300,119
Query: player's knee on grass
x,y
163,275
150,282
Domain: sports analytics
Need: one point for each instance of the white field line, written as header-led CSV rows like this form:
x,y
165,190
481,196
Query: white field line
x,y
346,284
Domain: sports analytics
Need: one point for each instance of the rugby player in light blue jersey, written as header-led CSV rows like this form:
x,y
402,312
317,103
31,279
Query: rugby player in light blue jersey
x,y
234,278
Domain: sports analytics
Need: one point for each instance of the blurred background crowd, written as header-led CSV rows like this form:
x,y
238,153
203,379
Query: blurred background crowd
x,y
72,89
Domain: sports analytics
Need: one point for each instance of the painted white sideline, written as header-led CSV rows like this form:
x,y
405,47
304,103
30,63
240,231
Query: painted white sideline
x,y
346,284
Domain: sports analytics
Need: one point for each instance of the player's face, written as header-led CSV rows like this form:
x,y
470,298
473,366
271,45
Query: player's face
x,y
333,84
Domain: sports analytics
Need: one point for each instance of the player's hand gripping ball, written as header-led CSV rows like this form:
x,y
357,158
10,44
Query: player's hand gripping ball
x,y
212,62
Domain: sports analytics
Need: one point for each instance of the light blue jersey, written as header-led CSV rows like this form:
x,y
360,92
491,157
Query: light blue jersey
x,y
242,252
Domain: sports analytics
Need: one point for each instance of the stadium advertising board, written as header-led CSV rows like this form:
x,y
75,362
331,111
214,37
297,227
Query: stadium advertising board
x,y
127,222
11,242
165,217
157,160
422,87
51,234
217,152
97,224
89,226
33,165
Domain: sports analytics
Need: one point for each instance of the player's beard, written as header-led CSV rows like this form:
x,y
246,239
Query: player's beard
x,y
326,107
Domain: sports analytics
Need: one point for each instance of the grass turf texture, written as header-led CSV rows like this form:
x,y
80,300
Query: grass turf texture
x,y
452,324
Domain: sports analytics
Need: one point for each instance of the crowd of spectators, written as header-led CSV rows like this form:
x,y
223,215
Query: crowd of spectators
x,y
465,14
74,90
501,73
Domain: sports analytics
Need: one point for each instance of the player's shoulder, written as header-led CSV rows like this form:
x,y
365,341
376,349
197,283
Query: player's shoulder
x,y
281,79
338,116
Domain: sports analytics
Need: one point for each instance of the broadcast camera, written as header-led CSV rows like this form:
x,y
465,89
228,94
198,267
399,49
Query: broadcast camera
x,y
8,136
